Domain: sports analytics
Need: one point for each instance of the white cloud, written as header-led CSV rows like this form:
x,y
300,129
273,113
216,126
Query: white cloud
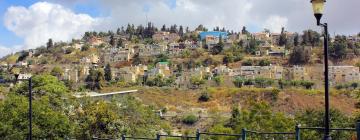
x,y
8,50
275,23
43,20
232,14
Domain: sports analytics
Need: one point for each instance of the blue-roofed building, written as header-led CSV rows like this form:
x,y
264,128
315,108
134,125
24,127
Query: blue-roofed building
x,y
216,34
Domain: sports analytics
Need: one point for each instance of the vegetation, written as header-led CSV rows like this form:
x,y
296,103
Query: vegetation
x,y
204,97
239,81
58,116
197,81
190,119
299,56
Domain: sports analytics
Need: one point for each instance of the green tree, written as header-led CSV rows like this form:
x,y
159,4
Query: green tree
x,y
95,79
49,111
299,56
45,85
47,122
124,115
49,44
296,39
252,46
311,118
282,39
244,31
108,73
337,50
260,117
112,41
57,71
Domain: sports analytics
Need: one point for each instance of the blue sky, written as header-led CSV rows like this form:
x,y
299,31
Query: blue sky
x,y
9,39
90,7
67,19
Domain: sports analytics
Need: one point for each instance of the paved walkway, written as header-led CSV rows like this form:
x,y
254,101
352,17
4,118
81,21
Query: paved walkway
x,y
96,94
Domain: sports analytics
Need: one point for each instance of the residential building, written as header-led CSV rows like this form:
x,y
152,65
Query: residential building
x,y
95,41
91,59
223,70
129,74
165,36
252,72
277,51
152,50
275,37
214,34
71,74
213,37
113,55
263,36
162,68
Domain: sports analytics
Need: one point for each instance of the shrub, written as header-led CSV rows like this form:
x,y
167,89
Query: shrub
x,y
190,119
275,94
247,63
264,63
204,97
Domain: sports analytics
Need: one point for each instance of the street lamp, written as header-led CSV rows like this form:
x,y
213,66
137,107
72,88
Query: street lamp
x,y
29,79
318,8
30,109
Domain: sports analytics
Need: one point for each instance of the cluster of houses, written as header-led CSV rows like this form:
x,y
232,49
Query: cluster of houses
x,y
131,74
169,43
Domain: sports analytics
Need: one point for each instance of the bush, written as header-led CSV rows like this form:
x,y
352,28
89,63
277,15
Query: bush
x,y
190,119
69,50
264,63
204,97
247,63
275,94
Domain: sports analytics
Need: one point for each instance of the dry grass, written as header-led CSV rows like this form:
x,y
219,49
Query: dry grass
x,y
223,99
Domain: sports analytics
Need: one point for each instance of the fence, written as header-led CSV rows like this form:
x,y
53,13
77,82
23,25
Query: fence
x,y
249,134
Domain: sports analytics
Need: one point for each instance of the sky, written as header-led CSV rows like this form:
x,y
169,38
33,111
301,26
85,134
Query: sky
x,y
26,24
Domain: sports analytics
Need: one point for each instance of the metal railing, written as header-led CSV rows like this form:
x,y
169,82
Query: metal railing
x,y
246,134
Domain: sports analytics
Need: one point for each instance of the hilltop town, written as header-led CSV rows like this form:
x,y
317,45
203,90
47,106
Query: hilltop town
x,y
180,58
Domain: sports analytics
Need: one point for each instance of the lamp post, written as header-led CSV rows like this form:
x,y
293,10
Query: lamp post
x,y
29,79
318,8
30,108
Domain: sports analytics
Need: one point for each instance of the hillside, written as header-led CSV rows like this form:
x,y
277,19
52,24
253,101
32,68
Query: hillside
x,y
179,103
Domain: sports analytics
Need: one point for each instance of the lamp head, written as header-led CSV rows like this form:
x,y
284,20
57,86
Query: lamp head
x,y
318,9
